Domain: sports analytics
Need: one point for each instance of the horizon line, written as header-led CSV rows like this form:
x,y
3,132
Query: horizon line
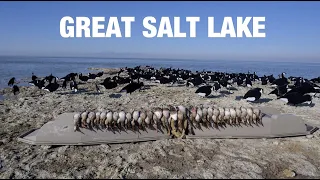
x,y
153,58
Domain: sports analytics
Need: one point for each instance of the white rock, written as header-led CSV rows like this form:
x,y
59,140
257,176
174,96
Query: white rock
x,y
207,175
61,150
118,160
200,162
309,136
275,143
288,173
45,147
53,155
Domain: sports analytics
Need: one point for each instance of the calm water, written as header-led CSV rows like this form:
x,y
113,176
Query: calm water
x,y
22,67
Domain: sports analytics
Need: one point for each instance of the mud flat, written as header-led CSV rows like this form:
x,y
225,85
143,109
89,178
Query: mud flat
x,y
174,158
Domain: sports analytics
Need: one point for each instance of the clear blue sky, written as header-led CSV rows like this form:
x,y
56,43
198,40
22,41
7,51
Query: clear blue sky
x,y
292,29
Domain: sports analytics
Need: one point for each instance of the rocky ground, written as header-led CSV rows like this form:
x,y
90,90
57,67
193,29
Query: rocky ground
x,y
297,157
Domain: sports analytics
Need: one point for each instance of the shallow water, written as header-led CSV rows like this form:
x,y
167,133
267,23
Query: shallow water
x,y
22,67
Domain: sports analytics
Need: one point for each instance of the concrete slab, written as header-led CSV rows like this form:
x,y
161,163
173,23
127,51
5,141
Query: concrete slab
x,y
281,125
60,131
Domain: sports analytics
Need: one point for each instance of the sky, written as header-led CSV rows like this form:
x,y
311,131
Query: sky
x,y
292,30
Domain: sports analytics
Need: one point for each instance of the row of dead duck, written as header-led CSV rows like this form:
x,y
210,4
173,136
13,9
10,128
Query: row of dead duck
x,y
176,120
295,94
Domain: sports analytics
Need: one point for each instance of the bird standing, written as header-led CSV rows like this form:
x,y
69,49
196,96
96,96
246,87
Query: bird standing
x,y
11,81
15,89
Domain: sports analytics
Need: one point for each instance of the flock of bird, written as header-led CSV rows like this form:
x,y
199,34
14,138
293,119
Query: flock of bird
x,y
292,90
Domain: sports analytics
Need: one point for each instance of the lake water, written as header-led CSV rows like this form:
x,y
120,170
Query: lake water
x,y
22,67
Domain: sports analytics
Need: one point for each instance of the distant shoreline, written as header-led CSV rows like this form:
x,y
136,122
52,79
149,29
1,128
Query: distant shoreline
x,y
154,58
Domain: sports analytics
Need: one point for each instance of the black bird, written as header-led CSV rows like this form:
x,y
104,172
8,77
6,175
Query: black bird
x,y
315,80
253,94
280,90
33,77
11,81
204,91
70,76
64,84
40,83
216,86
225,84
92,76
121,80
74,86
271,79
15,89
281,81
195,82
248,82
52,86
296,98
132,87
50,77
83,78
109,84
97,88
121,70
304,88
239,81
264,80
33,82
99,74
163,80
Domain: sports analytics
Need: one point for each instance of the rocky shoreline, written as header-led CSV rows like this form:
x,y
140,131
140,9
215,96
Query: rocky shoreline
x,y
297,157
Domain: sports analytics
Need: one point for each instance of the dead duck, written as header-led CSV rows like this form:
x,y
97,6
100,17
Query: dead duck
x,y
135,118
166,119
97,119
173,116
238,116
215,117
244,115
149,118
210,114
142,117
204,115
258,115
181,118
83,119
233,116
90,118
221,116
121,119
76,121
108,120
103,116
128,119
250,115
227,115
